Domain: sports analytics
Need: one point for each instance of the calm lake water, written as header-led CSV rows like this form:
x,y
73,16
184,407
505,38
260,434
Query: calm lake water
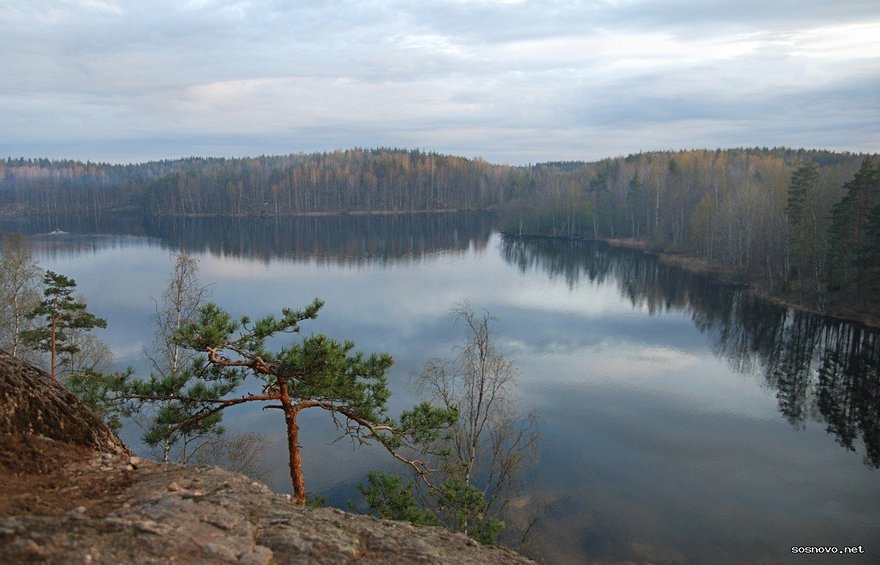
x,y
682,421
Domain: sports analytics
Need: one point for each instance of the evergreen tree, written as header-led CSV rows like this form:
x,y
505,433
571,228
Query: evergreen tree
x,y
174,367
800,228
389,498
853,243
62,315
318,372
802,181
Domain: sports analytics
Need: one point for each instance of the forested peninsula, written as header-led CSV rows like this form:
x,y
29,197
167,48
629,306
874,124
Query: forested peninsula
x,y
799,226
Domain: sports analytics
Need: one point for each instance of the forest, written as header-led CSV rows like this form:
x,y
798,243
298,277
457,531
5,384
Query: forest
x,y
817,367
802,226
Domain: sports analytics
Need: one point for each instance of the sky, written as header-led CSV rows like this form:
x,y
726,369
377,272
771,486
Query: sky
x,y
510,81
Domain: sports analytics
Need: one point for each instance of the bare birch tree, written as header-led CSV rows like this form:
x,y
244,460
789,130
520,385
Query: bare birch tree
x,y
19,294
91,356
243,453
179,305
493,443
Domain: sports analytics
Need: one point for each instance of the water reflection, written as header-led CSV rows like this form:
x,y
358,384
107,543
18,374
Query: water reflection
x,y
819,368
655,449
350,241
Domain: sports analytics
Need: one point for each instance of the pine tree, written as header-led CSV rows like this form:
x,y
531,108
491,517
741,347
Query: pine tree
x,y
174,367
318,372
62,315
800,228
853,249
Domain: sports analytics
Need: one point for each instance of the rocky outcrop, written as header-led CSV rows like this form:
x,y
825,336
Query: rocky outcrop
x,y
76,497
33,403
204,514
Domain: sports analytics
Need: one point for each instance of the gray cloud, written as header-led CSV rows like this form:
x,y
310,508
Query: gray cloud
x,y
510,81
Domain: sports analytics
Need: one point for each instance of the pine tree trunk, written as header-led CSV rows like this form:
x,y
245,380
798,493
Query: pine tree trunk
x,y
296,473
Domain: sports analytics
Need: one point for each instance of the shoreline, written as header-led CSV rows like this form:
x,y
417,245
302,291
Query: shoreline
x,y
719,276
265,214
722,276
684,262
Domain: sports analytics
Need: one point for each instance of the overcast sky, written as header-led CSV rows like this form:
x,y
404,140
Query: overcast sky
x,y
513,82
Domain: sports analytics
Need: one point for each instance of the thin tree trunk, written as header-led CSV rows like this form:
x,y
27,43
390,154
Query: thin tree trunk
x,y
296,473
16,324
52,341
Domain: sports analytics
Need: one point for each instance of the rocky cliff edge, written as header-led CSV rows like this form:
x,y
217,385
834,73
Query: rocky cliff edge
x,y
71,492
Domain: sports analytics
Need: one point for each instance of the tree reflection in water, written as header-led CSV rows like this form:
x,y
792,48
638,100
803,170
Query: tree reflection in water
x,y
822,369
343,240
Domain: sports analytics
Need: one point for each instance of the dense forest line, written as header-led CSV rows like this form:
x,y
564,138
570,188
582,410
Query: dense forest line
x,y
801,225
358,180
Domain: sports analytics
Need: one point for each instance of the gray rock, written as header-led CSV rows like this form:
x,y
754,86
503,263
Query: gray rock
x,y
74,494
232,521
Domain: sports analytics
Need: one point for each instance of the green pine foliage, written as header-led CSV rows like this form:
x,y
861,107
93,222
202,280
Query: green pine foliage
x,y
455,504
100,392
478,466
853,268
62,314
388,497
465,506
315,371
180,418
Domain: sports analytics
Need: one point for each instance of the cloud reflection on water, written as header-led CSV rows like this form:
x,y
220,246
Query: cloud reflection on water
x,y
666,402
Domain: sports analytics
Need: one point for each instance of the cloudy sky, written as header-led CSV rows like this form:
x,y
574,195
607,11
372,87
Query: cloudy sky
x,y
513,82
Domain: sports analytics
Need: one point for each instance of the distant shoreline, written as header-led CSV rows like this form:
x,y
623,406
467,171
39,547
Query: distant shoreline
x,y
698,266
842,312
720,276
261,214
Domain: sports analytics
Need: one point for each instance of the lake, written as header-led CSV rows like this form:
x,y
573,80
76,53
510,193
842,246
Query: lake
x,y
682,421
